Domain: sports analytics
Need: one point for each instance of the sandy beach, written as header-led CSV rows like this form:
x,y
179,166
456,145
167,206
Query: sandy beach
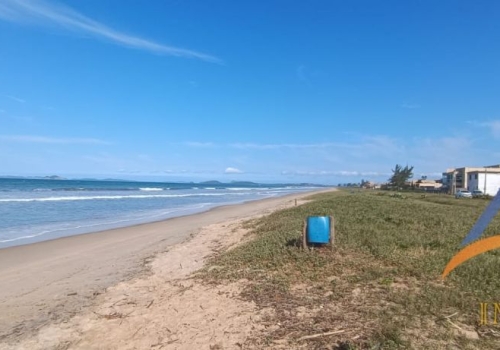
x,y
129,288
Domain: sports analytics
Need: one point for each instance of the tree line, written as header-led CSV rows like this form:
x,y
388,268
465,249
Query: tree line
x,y
398,180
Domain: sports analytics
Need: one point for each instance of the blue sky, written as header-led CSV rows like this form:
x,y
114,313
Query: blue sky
x,y
321,91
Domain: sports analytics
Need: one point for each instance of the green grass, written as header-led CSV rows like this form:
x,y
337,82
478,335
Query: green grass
x,y
381,283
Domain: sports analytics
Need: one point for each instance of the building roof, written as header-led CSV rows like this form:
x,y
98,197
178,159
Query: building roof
x,y
488,169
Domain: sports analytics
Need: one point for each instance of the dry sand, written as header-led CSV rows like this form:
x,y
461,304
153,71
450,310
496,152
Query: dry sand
x,y
129,288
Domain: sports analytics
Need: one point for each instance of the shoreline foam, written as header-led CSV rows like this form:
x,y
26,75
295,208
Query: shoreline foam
x,y
32,216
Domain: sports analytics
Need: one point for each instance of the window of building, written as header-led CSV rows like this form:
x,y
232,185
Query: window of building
x,y
475,176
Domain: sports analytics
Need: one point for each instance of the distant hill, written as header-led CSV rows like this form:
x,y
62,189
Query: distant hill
x,y
53,177
94,179
212,182
245,183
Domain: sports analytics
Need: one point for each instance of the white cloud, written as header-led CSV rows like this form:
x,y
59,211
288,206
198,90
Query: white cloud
x,y
25,11
363,148
51,140
363,155
345,173
14,98
493,126
279,146
232,171
348,173
379,142
377,146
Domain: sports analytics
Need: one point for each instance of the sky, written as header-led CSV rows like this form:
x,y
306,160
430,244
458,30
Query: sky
x,y
273,91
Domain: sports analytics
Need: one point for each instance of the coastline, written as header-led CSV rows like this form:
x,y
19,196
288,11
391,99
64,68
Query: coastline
x,y
55,280
41,234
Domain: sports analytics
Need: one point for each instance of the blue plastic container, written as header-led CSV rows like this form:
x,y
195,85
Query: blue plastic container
x,y
318,229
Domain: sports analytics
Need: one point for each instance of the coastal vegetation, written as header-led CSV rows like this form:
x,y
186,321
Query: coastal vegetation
x,y
400,176
380,287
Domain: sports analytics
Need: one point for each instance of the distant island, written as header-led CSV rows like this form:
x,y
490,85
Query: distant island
x,y
204,183
246,183
53,177
108,179
241,183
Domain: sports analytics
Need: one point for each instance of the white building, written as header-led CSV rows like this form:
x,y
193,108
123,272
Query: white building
x,y
457,178
489,183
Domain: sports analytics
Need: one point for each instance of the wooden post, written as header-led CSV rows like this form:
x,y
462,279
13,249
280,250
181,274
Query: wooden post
x,y
332,232
304,235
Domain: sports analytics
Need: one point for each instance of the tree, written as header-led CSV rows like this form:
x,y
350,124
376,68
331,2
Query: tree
x,y
400,176
365,183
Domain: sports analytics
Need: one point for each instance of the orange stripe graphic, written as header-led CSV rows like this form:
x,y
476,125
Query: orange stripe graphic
x,y
471,251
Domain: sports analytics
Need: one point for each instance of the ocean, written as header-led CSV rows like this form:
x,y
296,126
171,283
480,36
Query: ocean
x,y
33,210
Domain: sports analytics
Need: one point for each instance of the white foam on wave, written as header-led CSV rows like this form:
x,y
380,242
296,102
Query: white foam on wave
x,y
87,198
150,189
25,237
108,223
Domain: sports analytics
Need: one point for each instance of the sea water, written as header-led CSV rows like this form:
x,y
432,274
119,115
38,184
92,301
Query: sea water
x,y
33,210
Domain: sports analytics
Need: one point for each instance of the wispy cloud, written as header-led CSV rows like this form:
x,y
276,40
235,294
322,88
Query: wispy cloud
x,y
365,155
347,173
492,125
381,143
366,147
232,171
280,146
42,12
51,140
14,98
410,105
199,144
